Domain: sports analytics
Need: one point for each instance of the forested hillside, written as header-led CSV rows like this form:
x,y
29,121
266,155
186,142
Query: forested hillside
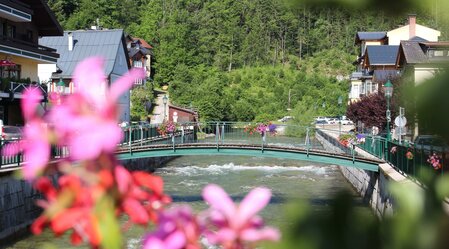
x,y
238,60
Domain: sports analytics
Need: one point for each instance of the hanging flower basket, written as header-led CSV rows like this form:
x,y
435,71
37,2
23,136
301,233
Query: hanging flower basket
x,y
261,128
435,161
167,128
409,155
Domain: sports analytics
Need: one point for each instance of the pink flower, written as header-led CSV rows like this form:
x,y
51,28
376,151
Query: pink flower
x,y
393,149
35,144
237,224
434,160
178,228
87,119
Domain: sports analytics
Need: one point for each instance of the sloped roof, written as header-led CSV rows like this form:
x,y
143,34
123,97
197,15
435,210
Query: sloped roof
x,y
418,39
144,43
412,52
382,54
86,43
370,36
44,18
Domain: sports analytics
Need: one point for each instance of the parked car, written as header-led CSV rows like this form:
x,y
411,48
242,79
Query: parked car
x,y
9,132
431,143
285,119
332,121
321,119
346,122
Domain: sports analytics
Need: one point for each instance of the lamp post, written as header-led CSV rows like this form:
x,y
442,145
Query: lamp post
x,y
388,87
60,87
165,100
340,101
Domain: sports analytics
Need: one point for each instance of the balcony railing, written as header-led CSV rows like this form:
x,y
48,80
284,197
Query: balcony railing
x,y
27,45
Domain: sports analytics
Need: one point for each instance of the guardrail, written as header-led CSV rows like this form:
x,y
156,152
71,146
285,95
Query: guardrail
x,y
408,159
218,133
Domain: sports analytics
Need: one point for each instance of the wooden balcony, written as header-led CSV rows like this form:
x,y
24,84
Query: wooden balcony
x,y
27,49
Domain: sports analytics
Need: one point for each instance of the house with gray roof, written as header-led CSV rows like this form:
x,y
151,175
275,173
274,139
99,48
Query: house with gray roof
x,y
76,46
422,59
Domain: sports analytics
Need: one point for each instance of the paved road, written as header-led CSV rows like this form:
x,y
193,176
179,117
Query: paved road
x,y
157,116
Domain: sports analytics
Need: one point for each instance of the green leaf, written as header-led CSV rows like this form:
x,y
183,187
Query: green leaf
x,y
109,224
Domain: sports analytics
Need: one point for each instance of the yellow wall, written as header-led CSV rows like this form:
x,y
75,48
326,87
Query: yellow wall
x,y
28,66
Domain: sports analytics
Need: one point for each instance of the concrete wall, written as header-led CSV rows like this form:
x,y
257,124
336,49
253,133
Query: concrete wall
x,y
372,186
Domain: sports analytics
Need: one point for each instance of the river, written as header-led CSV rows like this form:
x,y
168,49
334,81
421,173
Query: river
x,y
185,177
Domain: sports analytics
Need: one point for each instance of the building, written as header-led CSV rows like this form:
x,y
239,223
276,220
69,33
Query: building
x,y
422,59
411,31
182,115
140,55
377,63
22,23
76,46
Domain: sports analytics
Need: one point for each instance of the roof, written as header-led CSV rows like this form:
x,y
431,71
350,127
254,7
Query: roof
x,y
381,54
412,52
417,38
44,18
143,43
370,36
86,43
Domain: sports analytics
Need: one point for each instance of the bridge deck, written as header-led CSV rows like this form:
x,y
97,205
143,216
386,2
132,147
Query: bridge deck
x,y
248,150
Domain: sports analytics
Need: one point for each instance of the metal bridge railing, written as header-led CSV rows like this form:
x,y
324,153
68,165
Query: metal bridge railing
x,y
220,133
211,133
408,159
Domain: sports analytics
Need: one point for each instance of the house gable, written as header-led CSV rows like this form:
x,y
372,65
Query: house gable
x,y
395,36
86,43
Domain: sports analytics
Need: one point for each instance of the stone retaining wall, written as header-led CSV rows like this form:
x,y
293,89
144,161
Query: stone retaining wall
x,y
17,198
372,186
17,208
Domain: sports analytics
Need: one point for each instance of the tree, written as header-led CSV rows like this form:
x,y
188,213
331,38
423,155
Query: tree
x,y
141,97
371,110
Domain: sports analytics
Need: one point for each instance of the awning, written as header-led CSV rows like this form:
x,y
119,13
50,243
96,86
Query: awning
x,y
5,63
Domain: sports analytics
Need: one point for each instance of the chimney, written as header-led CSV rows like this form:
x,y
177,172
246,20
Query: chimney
x,y
70,36
412,25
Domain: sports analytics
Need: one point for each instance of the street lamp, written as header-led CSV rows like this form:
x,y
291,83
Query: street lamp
x,y
388,88
165,100
60,86
340,101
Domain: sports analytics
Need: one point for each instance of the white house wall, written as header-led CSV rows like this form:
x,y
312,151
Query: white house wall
x,y
395,36
44,72
423,73
120,68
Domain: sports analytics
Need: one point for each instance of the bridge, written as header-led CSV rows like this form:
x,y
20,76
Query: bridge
x,y
229,138
223,138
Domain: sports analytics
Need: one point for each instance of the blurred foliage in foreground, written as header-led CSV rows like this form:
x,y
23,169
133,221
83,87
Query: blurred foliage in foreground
x,y
420,221
421,216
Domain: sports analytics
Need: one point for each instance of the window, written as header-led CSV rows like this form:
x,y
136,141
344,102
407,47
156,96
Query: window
x,y
438,53
11,72
29,36
355,93
10,31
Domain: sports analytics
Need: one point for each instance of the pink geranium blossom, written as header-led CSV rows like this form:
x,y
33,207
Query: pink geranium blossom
x,y
87,119
178,228
35,144
237,225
